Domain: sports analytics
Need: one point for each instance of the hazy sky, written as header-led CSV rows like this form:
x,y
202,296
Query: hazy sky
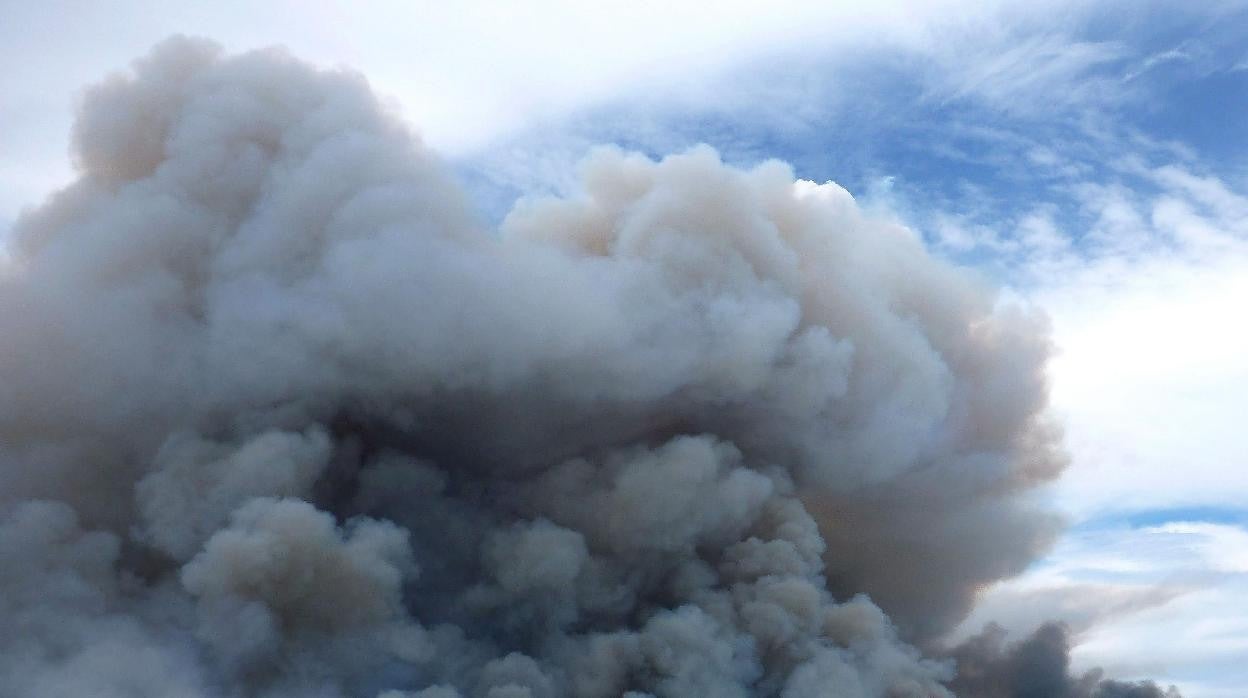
x,y
1090,156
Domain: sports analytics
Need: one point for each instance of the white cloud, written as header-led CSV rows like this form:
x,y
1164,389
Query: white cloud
x,y
1030,75
1174,55
1151,380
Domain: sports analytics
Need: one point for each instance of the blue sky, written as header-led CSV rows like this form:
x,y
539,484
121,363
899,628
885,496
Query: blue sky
x,y
1091,157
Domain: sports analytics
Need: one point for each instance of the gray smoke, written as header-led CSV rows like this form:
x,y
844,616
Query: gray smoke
x,y
279,417
1037,666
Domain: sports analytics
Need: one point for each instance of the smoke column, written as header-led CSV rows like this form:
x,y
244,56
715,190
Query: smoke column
x,y
280,417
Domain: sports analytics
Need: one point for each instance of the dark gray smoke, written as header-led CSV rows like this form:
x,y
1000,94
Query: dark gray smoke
x,y
278,417
1036,667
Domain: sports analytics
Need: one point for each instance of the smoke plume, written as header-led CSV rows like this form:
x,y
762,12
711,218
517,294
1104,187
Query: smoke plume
x,y
1035,667
280,417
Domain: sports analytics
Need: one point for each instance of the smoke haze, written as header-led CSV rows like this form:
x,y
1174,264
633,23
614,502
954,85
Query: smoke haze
x,y
280,417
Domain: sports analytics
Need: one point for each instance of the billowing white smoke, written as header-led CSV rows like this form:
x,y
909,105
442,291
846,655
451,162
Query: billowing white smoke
x,y
278,417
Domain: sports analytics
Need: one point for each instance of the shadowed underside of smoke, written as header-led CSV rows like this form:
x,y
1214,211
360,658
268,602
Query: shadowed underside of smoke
x,y
1037,666
278,417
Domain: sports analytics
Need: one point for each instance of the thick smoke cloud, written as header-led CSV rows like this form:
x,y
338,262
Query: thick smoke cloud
x,y
1037,666
278,417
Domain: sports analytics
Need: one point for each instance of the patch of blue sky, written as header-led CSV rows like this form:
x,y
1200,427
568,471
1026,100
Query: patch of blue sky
x,y
1205,111
960,157
984,160
1150,518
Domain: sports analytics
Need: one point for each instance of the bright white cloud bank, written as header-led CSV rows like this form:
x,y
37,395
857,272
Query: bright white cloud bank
x,y
1151,378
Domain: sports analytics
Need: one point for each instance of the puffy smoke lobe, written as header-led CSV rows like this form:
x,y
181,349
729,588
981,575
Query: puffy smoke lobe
x,y
1037,666
278,417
